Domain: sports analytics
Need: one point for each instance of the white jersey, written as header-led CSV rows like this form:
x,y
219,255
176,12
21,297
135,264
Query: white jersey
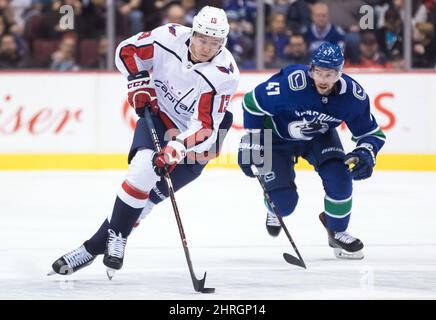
x,y
191,97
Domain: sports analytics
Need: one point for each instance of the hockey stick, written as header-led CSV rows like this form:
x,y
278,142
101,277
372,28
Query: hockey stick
x,y
198,284
288,257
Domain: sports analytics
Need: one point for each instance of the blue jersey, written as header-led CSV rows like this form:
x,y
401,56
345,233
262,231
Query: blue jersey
x,y
289,104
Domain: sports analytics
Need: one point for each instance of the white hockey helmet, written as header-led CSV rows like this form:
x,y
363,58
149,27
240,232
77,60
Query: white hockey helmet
x,y
211,21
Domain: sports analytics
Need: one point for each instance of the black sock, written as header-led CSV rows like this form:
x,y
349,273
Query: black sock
x,y
97,243
124,217
122,220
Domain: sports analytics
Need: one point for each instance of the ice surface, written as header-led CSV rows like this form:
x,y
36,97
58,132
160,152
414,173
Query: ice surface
x,y
44,214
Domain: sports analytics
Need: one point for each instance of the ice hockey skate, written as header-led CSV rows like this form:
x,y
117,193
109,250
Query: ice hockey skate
x,y
345,245
114,253
72,261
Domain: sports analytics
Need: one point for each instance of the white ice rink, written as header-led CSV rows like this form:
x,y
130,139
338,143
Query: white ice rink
x,y
45,214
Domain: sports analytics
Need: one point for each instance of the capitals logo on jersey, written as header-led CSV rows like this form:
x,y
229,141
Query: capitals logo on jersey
x,y
172,29
307,130
228,70
145,34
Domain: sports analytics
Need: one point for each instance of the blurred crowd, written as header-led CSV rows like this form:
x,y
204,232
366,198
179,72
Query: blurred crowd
x,y
31,35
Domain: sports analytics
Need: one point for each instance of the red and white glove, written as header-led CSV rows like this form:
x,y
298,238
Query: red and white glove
x,y
141,93
165,161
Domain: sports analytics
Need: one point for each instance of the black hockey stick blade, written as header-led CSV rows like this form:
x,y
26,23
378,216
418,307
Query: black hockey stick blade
x,y
294,260
199,285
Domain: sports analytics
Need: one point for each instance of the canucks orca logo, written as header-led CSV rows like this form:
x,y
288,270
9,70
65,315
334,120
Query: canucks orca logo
x,y
307,130
226,70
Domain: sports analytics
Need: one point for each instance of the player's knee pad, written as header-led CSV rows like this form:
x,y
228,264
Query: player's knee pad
x,y
285,200
140,179
141,173
336,179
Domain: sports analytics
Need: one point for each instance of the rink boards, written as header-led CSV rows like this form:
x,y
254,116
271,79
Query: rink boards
x,y
82,120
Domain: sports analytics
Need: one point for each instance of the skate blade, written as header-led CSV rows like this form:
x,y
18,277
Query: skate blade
x,y
342,254
51,273
110,273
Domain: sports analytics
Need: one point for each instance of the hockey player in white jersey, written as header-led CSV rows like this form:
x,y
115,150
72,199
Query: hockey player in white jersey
x,y
194,77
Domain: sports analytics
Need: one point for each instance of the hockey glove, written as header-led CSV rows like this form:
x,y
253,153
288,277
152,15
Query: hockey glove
x,y
141,93
251,151
361,161
165,161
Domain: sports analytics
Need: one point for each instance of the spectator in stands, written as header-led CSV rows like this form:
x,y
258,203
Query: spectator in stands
x,y
296,50
101,60
380,8
102,53
3,26
419,10
94,16
175,13
321,30
130,10
50,26
390,36
277,33
42,6
346,14
297,15
247,11
431,11
22,47
7,14
19,8
424,46
370,55
151,13
189,7
64,59
10,57
271,60
279,6
239,44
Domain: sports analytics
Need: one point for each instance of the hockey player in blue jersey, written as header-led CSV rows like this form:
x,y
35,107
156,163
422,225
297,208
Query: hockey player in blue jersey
x,y
302,106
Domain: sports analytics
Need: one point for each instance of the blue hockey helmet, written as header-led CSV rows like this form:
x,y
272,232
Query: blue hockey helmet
x,y
329,56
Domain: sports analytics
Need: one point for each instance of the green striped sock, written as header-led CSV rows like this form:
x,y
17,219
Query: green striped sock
x,y
337,208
